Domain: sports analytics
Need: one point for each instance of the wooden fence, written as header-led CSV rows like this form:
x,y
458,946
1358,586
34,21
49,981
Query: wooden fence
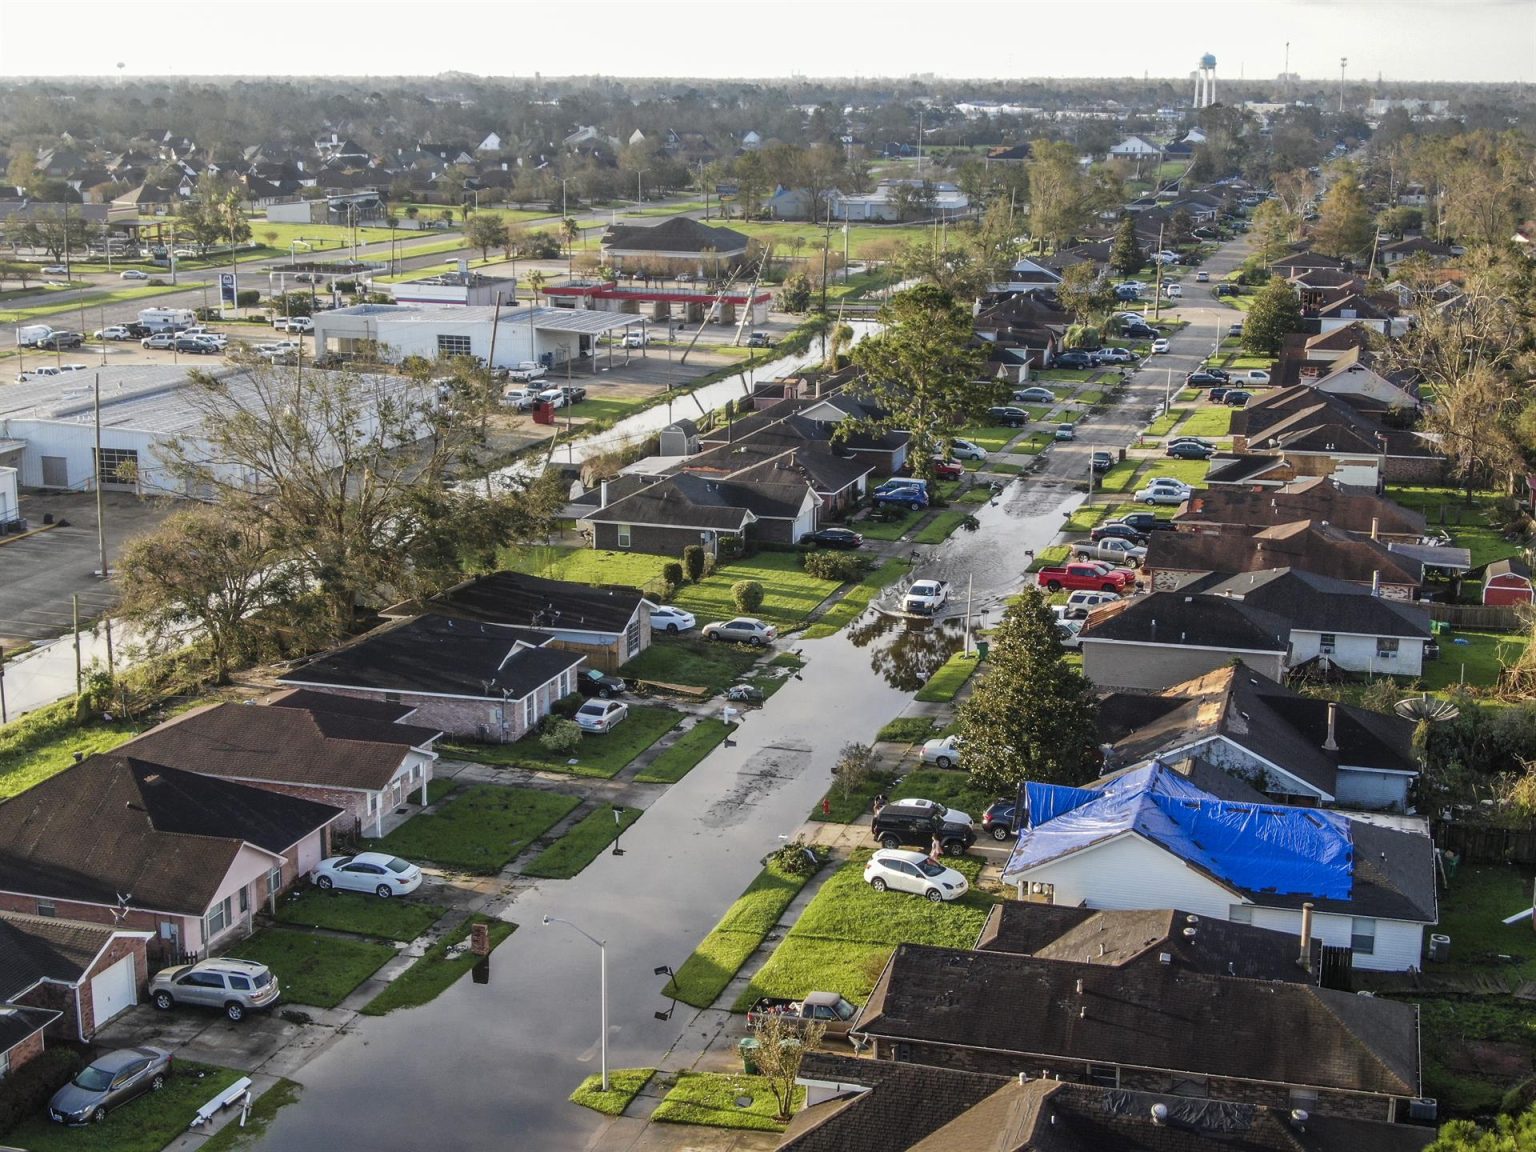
x,y
1484,844
1480,617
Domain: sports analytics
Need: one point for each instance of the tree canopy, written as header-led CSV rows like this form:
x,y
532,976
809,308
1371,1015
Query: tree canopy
x,y
1275,314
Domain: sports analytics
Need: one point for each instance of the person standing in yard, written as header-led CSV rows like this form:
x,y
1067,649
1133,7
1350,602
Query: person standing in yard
x,y
935,849
879,802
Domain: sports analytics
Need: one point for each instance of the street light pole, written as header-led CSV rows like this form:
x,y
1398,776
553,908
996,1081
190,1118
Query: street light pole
x,y
602,949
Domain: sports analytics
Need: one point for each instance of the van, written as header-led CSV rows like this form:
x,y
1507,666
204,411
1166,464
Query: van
x,y
164,319
31,335
1173,291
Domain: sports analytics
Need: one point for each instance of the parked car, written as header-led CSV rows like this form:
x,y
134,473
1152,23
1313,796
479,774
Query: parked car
x,y
832,1012
527,371
1066,432
635,340
759,340
997,820
112,332
1085,600
378,872
1127,292
1008,416
601,715
834,538
1254,376
159,340
965,450
1217,394
300,324
1115,530
1187,450
108,1082
1201,377
573,393
1140,332
235,986
196,345
596,682
667,618
133,274
900,495
1173,291
1166,256
742,630
1237,398
1159,346
1161,494
947,469
913,872
1202,277
1235,329
1034,395
1148,522
554,397
1101,462
1113,549
58,340
1069,633
521,399
54,270
1116,356
950,815
1077,359
942,750
1227,290
897,824
1200,440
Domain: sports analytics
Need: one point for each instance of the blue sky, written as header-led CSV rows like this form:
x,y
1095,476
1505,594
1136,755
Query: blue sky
x,y
1458,40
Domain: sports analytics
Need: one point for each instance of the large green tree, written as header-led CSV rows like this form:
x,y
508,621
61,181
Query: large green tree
x,y
486,230
1057,193
1126,255
1273,228
1344,226
923,372
1275,314
1031,716
1507,1134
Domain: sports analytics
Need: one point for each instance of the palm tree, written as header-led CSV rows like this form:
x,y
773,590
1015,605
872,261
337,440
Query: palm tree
x,y
842,338
536,283
570,230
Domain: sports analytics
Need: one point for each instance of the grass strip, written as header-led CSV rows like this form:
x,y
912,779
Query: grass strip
x,y
580,846
624,1084
317,970
684,753
480,828
938,530
602,754
232,1136
710,1099
839,807
360,914
852,606
436,971
949,679
1049,556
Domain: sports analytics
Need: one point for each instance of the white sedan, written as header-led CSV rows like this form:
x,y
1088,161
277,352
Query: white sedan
x,y
133,274
913,872
944,752
669,619
1159,346
376,872
600,715
965,450
1161,494
949,815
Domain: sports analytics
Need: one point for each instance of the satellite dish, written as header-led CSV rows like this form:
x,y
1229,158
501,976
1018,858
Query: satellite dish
x,y
1426,707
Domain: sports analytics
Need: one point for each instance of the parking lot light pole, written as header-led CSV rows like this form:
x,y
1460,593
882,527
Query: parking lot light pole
x,y
602,948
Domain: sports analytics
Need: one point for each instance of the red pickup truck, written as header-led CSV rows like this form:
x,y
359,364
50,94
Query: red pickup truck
x,y
1088,576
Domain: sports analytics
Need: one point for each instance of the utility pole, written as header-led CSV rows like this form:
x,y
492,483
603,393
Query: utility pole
x,y
101,512
74,601
970,583
1343,63
1157,293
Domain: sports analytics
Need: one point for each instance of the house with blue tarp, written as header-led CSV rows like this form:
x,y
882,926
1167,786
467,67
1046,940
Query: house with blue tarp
x,y
1150,837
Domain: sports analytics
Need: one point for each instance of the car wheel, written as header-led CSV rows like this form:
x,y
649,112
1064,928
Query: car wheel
x,y
384,891
235,1011
1000,833
1149,503
934,896
711,635
163,1001
757,641
890,841
324,882
604,693
877,884
954,848
1053,586
1109,588
672,629
943,761
98,1116
158,1082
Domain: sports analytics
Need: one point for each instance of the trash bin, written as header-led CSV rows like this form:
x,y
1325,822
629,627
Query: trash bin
x,y
1439,948
748,1047
543,412
981,650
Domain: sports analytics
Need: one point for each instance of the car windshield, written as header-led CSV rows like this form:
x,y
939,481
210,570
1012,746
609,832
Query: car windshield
x,y
262,979
398,865
93,1079
930,869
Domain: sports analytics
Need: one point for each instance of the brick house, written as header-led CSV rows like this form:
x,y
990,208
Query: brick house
x,y
676,511
88,973
364,765
1131,1028
474,681
187,857
1312,498
678,244
1302,421
21,1035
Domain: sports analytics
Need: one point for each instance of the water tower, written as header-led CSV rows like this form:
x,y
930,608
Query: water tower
x,y
1205,82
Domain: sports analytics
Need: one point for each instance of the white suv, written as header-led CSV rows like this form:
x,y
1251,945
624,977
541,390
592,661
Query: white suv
x,y
236,986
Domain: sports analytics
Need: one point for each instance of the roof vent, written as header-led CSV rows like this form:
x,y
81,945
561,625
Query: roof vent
x,y
1159,1113
1299,1118
1191,919
1165,957
1082,1013
1079,985
1191,933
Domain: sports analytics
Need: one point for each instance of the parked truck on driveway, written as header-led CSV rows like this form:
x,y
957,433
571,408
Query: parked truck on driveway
x,y
1113,549
815,1008
1087,576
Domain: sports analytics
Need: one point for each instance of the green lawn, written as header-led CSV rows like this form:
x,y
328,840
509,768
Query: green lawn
x,y
782,234
1209,422
1474,526
907,730
46,742
603,754
480,828
992,437
360,914
1478,662
873,529
711,1099
690,661
1119,478
1164,424
581,844
858,598
624,1084
1050,556
1086,517
92,302
233,1136
950,788
316,970
939,529
704,975
1192,472
840,807
680,757
949,679
148,1124
436,971
845,935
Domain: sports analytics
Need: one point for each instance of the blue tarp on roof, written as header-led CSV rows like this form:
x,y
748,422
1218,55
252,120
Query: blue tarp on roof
x,y
1257,847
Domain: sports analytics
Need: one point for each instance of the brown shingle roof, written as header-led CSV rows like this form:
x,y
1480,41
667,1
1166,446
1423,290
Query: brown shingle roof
x,y
34,948
1312,498
1305,544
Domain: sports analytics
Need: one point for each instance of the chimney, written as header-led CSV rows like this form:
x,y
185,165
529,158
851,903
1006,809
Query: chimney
x,y
1375,528
1331,744
1305,956
602,497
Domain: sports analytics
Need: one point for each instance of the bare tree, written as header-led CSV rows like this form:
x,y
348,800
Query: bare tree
x,y
781,1046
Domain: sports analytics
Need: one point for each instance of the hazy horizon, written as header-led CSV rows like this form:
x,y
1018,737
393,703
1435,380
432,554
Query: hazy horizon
x,y
1402,41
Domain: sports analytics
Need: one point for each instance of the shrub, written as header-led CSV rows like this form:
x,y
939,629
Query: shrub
x,y
672,573
693,562
747,595
797,858
566,706
560,736
840,566
854,764
247,298
30,1087
710,564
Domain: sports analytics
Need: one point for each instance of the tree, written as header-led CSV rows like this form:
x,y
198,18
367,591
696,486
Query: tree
x,y
1275,314
693,562
855,762
781,1046
752,183
1344,225
1508,1134
913,200
570,232
922,372
214,214
207,575
486,231
1126,255
1084,293
747,595
1273,227
54,230
22,171
1031,717
1056,193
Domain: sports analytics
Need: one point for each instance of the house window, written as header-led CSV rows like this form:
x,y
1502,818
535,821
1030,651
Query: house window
x,y
1326,643
245,901
1304,1099
453,346
530,710
1362,935
624,541
275,881
46,908
117,465
1386,647
217,920
632,639
1104,1075
1240,913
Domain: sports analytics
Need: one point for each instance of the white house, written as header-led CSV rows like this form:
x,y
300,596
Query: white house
x,y
1150,839
1135,148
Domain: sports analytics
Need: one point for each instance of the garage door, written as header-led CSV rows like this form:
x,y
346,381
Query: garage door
x,y
112,991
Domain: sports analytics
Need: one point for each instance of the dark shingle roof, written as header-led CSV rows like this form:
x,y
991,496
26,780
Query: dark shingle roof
x,y
283,745
34,948
1176,619
1316,603
433,655
702,502
511,598
18,1023
1141,1016
1309,545
114,825
677,234
1312,498
345,705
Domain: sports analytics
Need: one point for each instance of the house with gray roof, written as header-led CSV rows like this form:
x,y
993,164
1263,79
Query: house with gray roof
x,y
89,974
1356,510
677,244
673,512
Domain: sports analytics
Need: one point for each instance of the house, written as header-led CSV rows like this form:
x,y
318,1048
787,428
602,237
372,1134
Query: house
x,y
1355,510
776,454
366,765
1396,252
1507,582
1134,148
1306,422
677,244
21,1035
675,511
609,624
1151,1028
474,681
1167,637
1298,262
1271,743
1028,276
894,1106
89,974
1148,837
188,857
824,421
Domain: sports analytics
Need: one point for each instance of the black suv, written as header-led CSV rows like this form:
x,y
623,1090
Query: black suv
x,y
1148,522
896,824
1075,359
997,820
